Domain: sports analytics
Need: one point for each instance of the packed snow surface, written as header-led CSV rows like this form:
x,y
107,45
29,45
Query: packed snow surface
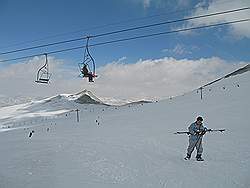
x,y
128,146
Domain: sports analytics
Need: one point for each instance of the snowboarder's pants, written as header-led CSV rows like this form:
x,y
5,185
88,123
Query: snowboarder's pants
x,y
195,143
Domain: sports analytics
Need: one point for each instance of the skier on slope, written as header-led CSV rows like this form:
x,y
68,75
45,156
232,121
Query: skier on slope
x,y
197,130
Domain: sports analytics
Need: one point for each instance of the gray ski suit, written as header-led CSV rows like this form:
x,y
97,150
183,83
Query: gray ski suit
x,y
195,139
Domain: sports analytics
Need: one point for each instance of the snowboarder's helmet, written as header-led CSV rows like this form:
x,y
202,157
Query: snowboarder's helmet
x,y
199,118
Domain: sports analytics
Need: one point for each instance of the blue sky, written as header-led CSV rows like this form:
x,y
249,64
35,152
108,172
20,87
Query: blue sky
x,y
27,23
28,20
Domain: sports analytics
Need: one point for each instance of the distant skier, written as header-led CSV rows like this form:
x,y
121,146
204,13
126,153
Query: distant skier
x,y
197,130
31,133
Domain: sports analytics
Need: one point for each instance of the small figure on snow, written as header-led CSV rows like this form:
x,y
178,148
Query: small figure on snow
x,y
196,130
86,73
31,133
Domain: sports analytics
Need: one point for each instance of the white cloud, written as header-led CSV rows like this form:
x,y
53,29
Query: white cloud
x,y
146,3
160,77
144,79
163,3
183,3
180,49
19,79
239,30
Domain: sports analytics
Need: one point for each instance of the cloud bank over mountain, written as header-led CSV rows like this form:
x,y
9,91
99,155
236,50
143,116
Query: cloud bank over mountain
x,y
144,79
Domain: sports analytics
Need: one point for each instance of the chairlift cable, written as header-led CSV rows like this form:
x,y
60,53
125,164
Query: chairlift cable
x,y
114,23
125,30
131,38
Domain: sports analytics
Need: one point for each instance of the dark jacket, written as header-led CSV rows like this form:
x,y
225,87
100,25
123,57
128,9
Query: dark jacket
x,y
85,70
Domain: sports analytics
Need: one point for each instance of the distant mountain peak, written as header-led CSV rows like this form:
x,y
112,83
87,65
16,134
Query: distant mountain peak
x,y
87,97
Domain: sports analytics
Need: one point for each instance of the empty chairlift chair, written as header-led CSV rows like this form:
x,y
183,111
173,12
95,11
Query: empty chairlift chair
x,y
43,75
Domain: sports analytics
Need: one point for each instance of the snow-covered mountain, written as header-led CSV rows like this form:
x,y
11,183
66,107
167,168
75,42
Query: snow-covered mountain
x,y
10,101
52,106
87,97
84,97
129,146
49,107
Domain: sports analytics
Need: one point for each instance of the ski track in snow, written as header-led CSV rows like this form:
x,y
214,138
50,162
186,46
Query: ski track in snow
x,y
129,146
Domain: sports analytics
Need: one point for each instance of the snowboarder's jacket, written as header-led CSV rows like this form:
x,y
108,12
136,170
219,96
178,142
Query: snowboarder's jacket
x,y
195,129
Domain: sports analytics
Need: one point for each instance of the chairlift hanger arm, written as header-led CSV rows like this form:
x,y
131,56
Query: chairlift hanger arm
x,y
43,70
88,53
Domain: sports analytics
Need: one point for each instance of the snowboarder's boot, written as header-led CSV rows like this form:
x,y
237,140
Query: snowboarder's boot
x,y
187,157
199,158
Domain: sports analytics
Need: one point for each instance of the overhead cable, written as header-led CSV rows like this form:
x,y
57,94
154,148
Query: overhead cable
x,y
126,30
130,38
116,23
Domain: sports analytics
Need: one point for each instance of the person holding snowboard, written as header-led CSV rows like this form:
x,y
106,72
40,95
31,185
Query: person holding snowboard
x,y
196,130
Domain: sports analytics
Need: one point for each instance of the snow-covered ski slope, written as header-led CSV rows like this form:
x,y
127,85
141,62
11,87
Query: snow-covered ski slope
x,y
130,146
